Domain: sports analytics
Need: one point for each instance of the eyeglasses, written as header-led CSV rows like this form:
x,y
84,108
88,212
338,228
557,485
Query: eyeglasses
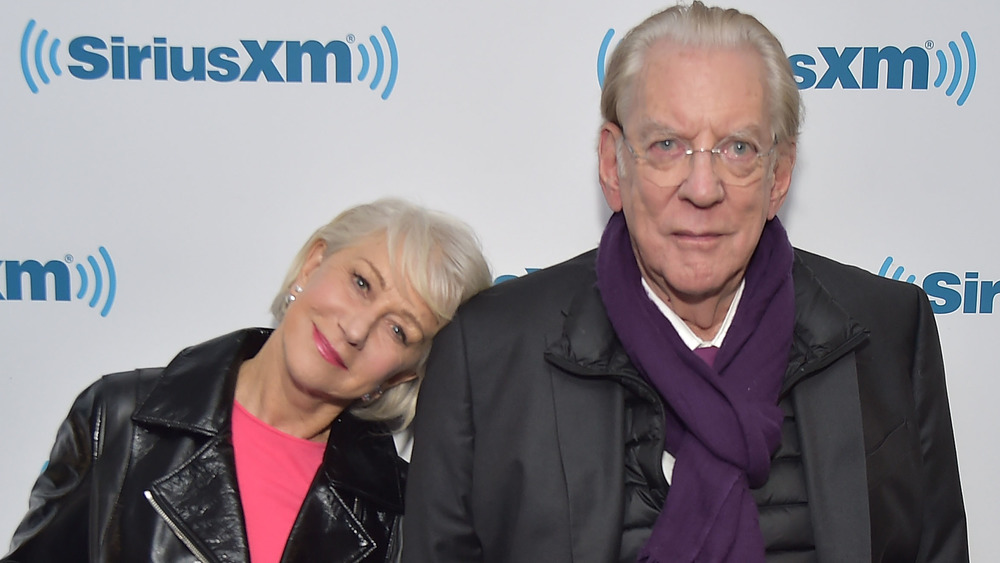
x,y
739,159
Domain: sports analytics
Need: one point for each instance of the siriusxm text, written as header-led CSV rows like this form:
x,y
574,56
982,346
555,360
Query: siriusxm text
x,y
874,60
949,293
252,61
37,275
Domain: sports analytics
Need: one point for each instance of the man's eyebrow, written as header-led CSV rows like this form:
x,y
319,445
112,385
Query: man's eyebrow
x,y
751,131
648,126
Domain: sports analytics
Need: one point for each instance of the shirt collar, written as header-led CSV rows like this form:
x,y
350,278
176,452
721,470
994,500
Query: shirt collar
x,y
691,340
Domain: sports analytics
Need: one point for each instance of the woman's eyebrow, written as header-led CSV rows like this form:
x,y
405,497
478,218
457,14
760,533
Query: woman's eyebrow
x,y
376,273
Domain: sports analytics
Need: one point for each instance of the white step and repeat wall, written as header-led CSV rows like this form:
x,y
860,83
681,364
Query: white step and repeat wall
x,y
160,164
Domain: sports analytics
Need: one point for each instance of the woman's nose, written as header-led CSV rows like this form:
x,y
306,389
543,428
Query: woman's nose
x,y
357,326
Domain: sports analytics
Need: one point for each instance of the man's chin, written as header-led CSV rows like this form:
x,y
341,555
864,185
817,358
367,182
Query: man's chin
x,y
700,288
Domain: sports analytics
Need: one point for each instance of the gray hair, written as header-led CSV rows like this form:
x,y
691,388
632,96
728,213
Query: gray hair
x,y
703,26
437,254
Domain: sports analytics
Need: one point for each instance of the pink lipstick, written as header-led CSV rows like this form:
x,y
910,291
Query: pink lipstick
x,y
327,350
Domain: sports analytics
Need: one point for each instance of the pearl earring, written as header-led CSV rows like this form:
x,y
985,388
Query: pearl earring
x,y
291,296
374,395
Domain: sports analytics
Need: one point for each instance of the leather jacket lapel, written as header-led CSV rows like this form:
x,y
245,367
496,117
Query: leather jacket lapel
x,y
200,502
197,389
320,528
361,461
359,487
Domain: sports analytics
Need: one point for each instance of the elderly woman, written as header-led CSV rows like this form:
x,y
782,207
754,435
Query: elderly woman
x,y
266,445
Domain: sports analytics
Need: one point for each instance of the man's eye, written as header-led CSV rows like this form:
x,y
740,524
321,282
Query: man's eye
x,y
739,149
668,147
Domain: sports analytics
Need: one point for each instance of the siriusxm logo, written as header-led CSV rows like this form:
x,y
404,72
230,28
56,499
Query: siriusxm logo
x,y
949,292
880,67
893,61
35,276
92,58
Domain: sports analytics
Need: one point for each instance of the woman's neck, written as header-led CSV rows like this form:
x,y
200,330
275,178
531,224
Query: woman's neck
x,y
268,393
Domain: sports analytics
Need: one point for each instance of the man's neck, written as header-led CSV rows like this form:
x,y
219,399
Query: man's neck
x,y
704,316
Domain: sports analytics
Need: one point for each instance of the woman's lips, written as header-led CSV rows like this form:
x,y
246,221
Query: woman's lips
x,y
326,349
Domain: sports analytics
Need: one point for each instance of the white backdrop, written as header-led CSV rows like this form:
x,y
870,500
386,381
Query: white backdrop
x,y
200,191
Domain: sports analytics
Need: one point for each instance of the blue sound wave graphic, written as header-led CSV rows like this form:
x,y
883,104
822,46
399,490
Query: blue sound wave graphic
x,y
956,56
38,58
109,297
380,62
602,55
898,273
508,277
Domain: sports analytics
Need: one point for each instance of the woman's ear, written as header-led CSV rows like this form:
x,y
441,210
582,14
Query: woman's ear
x,y
399,378
313,259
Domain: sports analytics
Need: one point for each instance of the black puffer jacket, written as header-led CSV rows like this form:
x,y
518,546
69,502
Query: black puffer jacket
x,y
531,405
143,470
782,502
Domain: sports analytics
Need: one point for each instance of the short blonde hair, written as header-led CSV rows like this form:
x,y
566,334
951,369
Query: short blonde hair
x,y
437,254
703,26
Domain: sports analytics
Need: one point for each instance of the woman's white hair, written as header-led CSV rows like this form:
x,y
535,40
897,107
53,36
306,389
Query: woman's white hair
x,y
703,26
437,254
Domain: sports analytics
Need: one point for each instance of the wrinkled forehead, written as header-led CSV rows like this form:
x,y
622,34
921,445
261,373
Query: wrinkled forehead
x,y
688,87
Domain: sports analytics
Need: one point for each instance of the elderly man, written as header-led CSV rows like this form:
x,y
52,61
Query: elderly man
x,y
694,389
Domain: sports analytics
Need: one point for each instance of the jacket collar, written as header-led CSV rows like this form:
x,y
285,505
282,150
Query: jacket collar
x,y
823,333
589,345
360,456
189,395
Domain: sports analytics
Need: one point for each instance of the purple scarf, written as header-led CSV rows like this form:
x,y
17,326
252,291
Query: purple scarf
x,y
723,422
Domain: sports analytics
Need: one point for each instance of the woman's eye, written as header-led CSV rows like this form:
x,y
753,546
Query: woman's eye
x,y
361,282
399,333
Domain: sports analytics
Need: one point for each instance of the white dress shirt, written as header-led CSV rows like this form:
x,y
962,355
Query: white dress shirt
x,y
692,341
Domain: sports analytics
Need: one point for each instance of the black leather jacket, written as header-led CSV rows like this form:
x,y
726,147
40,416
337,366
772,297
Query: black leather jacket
x,y
143,470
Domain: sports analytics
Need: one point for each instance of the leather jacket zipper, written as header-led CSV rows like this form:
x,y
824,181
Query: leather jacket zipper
x,y
173,526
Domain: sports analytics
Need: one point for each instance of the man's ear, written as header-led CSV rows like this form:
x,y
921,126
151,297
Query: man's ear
x,y
782,178
607,165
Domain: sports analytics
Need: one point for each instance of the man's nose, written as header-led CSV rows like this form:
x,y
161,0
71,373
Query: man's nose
x,y
702,187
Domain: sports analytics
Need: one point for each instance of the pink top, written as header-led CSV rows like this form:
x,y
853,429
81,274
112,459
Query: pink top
x,y
274,471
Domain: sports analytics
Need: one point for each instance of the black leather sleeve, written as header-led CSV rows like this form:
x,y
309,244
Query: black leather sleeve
x,y
56,525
